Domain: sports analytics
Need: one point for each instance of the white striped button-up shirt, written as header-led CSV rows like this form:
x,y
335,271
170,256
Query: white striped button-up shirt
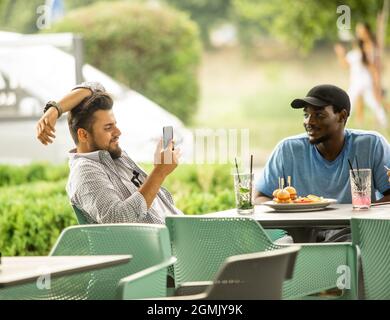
x,y
95,186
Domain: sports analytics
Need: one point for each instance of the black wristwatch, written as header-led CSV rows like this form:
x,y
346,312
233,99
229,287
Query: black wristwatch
x,y
53,104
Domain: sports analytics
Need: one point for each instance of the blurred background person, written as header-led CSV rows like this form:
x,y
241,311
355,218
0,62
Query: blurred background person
x,y
364,65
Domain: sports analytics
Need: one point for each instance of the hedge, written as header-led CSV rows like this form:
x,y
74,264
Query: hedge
x,y
32,216
202,189
153,50
16,175
34,207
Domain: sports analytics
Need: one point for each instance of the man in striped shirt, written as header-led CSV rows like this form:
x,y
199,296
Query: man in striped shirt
x,y
104,182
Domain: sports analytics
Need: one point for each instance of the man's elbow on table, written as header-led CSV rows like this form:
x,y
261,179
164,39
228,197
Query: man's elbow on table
x,y
260,198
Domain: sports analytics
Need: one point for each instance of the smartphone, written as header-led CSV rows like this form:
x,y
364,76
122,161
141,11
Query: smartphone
x,y
167,136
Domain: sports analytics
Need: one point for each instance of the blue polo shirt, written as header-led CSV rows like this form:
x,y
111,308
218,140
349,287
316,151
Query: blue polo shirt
x,y
313,174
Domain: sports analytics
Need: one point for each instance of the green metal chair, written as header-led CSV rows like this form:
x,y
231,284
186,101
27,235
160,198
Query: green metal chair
x,y
254,276
148,283
201,244
148,244
81,217
275,234
372,237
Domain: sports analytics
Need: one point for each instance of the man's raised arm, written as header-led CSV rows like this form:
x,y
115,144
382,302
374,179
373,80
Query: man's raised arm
x,y
46,125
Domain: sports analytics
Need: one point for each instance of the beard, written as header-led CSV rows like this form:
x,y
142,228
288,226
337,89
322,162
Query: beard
x,y
320,139
115,152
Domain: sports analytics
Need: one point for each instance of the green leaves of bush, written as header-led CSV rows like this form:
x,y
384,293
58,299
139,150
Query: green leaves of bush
x,y
32,216
15,175
199,189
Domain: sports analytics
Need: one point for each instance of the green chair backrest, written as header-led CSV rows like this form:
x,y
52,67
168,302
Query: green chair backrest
x,y
201,244
148,244
372,236
256,276
323,266
81,218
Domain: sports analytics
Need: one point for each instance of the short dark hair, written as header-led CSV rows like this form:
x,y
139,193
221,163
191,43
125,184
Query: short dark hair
x,y
337,109
81,116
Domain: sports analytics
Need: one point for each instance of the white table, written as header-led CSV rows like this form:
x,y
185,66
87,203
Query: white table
x,y
301,224
19,270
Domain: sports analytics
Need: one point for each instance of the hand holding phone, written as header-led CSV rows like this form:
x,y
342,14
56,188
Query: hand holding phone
x,y
167,136
165,158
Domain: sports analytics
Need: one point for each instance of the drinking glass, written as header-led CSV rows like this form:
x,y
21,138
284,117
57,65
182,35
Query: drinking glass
x,y
360,188
243,186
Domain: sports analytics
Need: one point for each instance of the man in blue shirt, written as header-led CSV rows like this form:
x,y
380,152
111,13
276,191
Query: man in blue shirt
x,y
318,161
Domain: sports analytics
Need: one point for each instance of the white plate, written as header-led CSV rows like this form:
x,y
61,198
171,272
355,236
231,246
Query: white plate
x,y
299,207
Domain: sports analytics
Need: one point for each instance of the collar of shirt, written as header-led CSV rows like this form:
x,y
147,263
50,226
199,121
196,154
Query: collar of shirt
x,y
101,156
73,155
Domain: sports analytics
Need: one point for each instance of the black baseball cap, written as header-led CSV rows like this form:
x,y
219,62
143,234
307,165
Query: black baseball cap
x,y
324,95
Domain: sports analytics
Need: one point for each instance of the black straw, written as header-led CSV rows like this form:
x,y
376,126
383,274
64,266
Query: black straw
x,y
251,168
357,166
239,180
250,186
350,165
353,174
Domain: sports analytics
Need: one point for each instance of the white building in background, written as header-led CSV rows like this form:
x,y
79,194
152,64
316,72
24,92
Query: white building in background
x,y
32,73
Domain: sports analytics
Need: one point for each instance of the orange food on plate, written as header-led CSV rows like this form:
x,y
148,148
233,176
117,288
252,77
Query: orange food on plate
x,y
283,196
292,192
275,193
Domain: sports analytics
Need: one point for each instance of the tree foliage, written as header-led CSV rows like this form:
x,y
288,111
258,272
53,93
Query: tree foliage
x,y
19,15
300,23
205,13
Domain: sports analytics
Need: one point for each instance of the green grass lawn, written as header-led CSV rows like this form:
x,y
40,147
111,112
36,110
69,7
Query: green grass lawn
x,y
238,92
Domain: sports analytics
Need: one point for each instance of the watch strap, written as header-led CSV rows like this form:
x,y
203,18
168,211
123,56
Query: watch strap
x,y
53,104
